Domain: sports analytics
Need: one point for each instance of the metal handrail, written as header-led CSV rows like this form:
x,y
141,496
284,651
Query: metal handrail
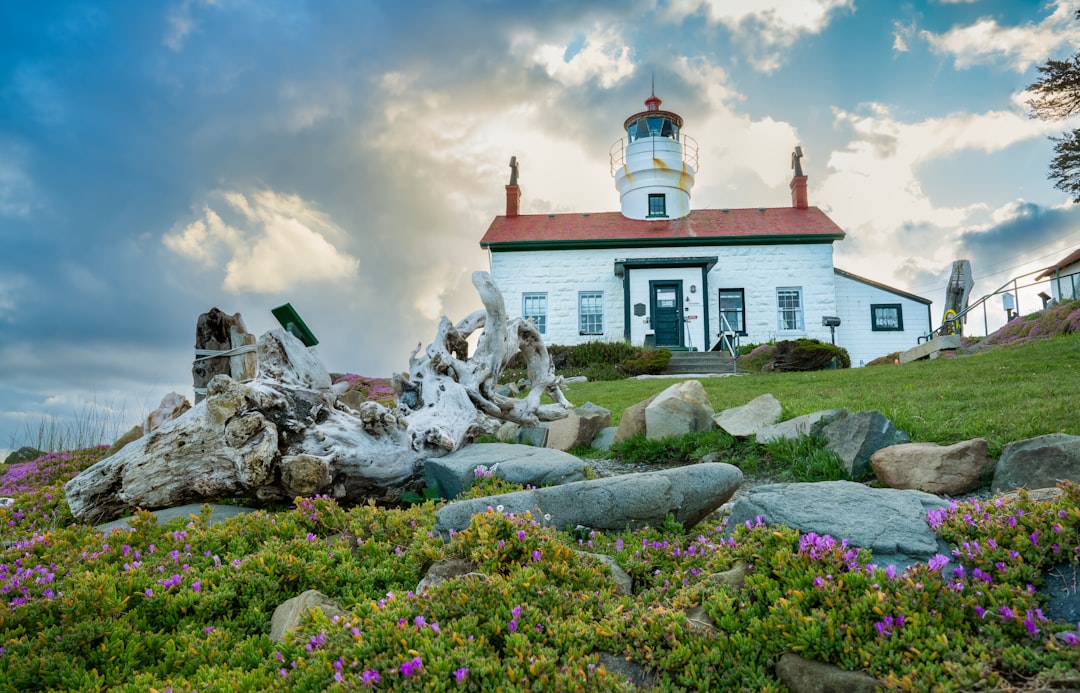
x,y
1010,286
617,153
732,344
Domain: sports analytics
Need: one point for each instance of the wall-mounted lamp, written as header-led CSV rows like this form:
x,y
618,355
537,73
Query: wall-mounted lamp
x,y
693,288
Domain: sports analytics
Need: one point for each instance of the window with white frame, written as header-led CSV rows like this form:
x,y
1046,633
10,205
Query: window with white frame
x,y
886,317
789,309
534,307
591,312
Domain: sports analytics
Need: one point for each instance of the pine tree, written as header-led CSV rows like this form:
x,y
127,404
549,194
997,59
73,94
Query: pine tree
x,y
1056,96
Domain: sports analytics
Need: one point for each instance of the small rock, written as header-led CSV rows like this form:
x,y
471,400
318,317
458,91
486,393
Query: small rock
x,y
806,425
807,676
682,408
446,569
578,428
290,614
855,437
453,474
941,469
632,422
751,417
172,406
624,584
23,454
1039,462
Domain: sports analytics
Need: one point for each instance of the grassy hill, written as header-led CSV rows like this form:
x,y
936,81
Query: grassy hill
x,y
1007,393
186,606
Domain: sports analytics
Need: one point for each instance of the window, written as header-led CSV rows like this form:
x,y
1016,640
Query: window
x,y
657,205
732,310
534,307
886,317
591,312
789,309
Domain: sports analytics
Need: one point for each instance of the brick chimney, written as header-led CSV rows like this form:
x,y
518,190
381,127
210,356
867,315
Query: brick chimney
x,y
513,192
513,200
798,193
798,181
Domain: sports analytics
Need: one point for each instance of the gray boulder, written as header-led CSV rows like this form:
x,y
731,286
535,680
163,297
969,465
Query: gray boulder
x,y
532,435
23,454
604,439
941,469
751,417
518,464
682,408
632,501
805,425
803,675
889,522
290,614
855,437
1038,463
579,427
624,584
632,421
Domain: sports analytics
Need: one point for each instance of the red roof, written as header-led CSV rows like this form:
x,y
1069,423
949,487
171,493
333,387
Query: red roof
x,y
1051,271
700,227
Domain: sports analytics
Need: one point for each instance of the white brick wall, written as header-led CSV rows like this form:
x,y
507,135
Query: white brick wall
x,y
853,301
759,270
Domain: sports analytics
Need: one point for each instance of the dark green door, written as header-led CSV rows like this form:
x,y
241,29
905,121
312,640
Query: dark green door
x,y
666,299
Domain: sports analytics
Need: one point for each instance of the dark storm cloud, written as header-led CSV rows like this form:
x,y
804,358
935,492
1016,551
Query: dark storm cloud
x,y
1032,232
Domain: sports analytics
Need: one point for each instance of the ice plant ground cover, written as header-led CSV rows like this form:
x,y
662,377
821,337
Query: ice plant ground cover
x,y
186,606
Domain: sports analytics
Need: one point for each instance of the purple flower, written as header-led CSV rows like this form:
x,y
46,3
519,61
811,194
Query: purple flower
x,y
890,572
370,677
411,667
420,622
196,586
537,555
461,673
1007,614
937,562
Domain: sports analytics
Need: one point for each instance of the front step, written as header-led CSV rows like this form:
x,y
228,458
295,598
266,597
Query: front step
x,y
687,362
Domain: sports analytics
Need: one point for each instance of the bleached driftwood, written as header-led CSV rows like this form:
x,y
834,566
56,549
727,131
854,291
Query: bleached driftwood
x,y
285,435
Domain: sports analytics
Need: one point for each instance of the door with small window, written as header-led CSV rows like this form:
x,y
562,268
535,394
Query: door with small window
x,y
667,323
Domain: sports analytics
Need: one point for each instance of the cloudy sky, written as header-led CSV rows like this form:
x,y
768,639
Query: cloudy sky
x,y
158,159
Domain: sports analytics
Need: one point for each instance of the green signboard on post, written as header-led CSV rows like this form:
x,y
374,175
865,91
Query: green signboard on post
x,y
290,320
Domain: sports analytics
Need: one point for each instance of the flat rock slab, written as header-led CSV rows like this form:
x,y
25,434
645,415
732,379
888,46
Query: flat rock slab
x,y
805,425
518,464
632,501
747,420
220,514
891,523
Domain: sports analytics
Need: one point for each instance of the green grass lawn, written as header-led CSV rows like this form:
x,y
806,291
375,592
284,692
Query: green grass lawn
x,y
1003,394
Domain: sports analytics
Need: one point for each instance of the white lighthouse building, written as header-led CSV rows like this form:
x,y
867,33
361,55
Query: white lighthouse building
x,y
659,273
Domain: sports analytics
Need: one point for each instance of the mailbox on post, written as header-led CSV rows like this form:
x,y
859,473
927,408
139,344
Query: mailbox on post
x,y
832,322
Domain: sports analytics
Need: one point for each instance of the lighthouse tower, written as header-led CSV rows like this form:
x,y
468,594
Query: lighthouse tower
x,y
654,165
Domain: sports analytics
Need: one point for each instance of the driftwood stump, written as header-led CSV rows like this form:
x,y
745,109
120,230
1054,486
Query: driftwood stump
x,y
217,331
285,435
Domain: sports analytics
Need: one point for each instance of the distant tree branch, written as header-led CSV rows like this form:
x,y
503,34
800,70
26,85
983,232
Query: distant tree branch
x,y
1065,166
1056,94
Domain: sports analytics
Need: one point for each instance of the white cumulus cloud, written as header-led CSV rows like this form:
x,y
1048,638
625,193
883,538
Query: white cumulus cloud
x,y
765,27
277,241
1018,47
